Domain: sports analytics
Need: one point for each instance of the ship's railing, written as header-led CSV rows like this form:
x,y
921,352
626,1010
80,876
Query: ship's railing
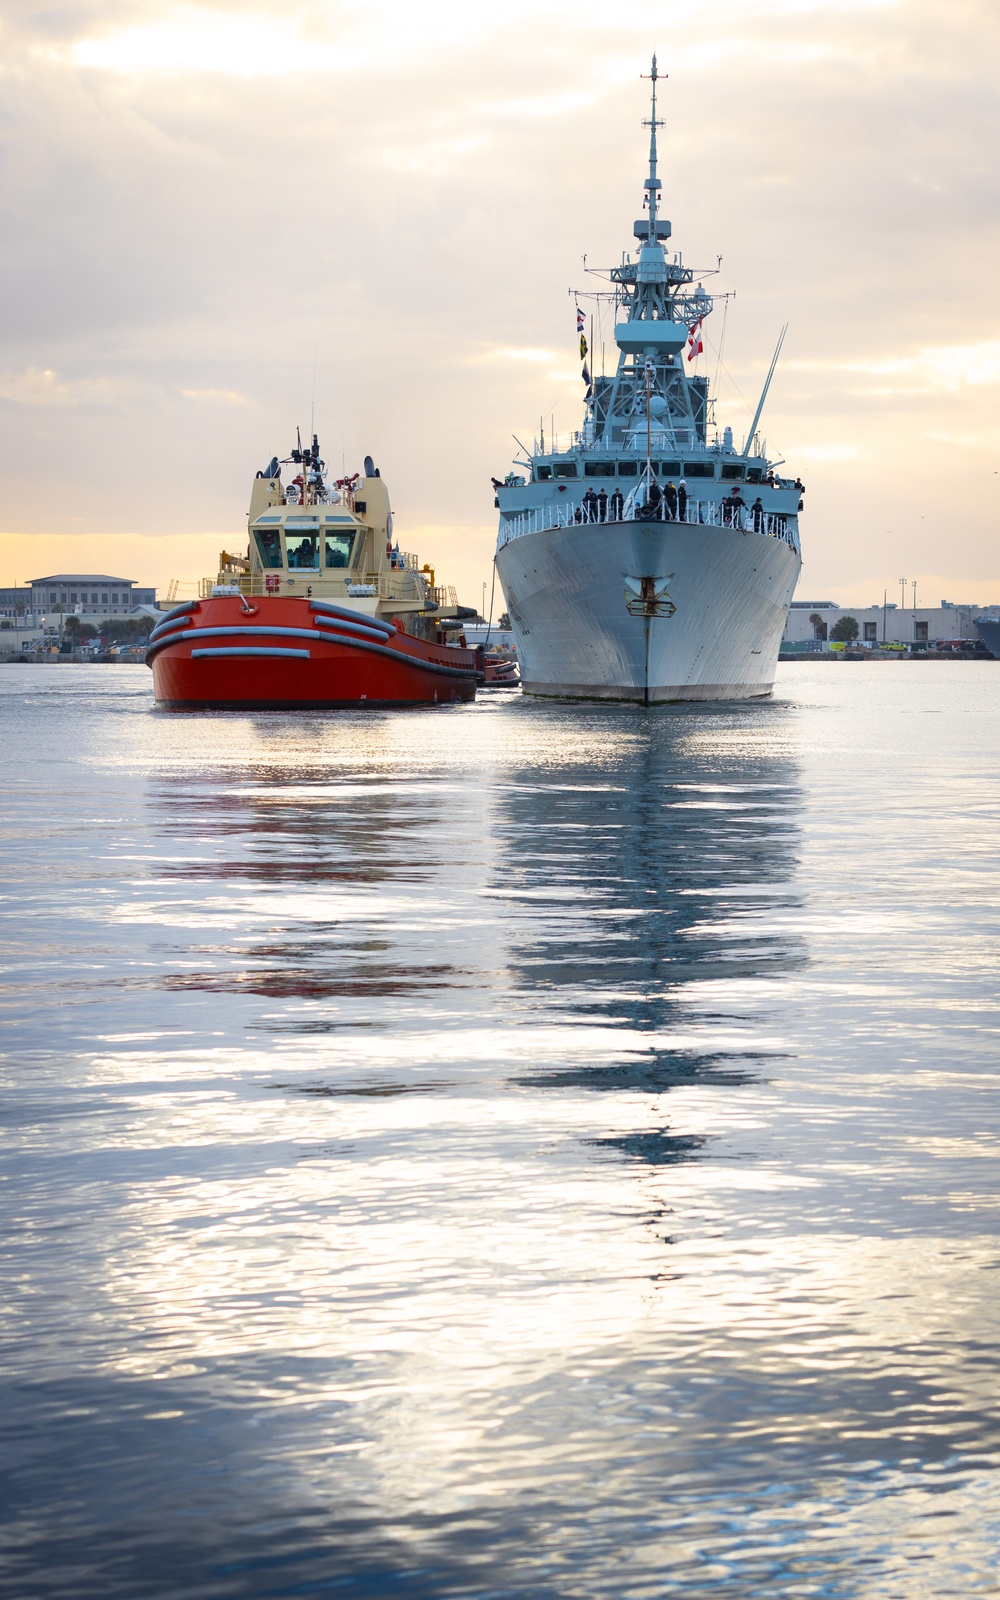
x,y
706,513
400,583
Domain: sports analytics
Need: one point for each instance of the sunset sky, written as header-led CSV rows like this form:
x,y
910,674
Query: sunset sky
x,y
212,213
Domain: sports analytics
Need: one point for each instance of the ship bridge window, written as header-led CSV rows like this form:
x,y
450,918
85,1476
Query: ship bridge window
x,y
543,473
565,469
628,469
670,469
599,469
303,549
732,471
268,542
699,469
339,547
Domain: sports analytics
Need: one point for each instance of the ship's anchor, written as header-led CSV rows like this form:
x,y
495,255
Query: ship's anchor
x,y
648,597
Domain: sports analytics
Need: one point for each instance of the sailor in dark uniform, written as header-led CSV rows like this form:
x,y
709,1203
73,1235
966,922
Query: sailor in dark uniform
x,y
733,509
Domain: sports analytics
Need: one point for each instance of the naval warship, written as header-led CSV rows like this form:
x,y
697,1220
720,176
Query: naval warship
x,y
652,559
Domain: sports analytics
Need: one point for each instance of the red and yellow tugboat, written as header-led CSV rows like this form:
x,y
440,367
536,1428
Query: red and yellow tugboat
x,y
324,610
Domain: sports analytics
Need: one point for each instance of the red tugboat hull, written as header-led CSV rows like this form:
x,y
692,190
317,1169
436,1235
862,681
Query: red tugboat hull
x,y
275,652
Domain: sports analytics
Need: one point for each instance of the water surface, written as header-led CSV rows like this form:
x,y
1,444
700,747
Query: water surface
x,y
508,1150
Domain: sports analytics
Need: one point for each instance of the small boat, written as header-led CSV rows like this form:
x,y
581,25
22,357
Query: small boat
x,y
499,669
324,610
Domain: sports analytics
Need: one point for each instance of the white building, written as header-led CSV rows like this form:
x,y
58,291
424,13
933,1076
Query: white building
x,y
814,620
93,598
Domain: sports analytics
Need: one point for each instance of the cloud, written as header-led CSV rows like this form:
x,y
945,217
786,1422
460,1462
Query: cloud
x,y
192,40
205,204
45,387
941,369
507,353
222,397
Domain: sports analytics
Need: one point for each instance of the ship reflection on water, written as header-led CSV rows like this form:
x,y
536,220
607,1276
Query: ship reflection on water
x,y
447,1170
626,878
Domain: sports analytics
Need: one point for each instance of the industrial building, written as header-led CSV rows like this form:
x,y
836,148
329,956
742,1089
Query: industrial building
x,y
888,623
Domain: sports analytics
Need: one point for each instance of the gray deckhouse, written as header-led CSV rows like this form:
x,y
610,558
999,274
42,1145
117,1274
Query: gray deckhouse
x,y
651,410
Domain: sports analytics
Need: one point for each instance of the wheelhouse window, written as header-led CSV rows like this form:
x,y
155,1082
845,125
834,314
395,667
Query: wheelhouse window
x,y
732,471
268,541
699,469
599,469
303,549
565,469
339,549
628,469
543,474
670,469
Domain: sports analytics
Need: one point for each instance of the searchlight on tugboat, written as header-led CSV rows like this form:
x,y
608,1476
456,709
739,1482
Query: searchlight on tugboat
x,y
324,610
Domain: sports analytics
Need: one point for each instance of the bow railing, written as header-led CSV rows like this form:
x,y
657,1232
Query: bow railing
x,y
703,513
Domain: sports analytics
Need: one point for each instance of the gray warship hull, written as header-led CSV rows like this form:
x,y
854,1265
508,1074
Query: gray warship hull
x,y
710,630
988,629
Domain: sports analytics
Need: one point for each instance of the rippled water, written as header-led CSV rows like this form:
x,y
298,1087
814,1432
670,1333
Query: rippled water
x,y
507,1150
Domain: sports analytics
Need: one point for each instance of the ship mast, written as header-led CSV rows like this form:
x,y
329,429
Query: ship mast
x,y
652,182
655,295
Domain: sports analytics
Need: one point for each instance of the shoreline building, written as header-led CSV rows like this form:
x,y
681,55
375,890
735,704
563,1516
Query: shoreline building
x,y
93,597
887,623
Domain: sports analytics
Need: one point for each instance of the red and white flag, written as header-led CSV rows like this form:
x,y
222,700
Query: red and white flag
x,y
695,346
580,320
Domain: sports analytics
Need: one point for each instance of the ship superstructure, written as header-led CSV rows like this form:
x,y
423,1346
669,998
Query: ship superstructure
x,y
651,559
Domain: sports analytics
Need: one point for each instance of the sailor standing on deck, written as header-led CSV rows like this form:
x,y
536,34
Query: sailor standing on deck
x,y
590,506
682,501
617,505
733,509
670,495
602,505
